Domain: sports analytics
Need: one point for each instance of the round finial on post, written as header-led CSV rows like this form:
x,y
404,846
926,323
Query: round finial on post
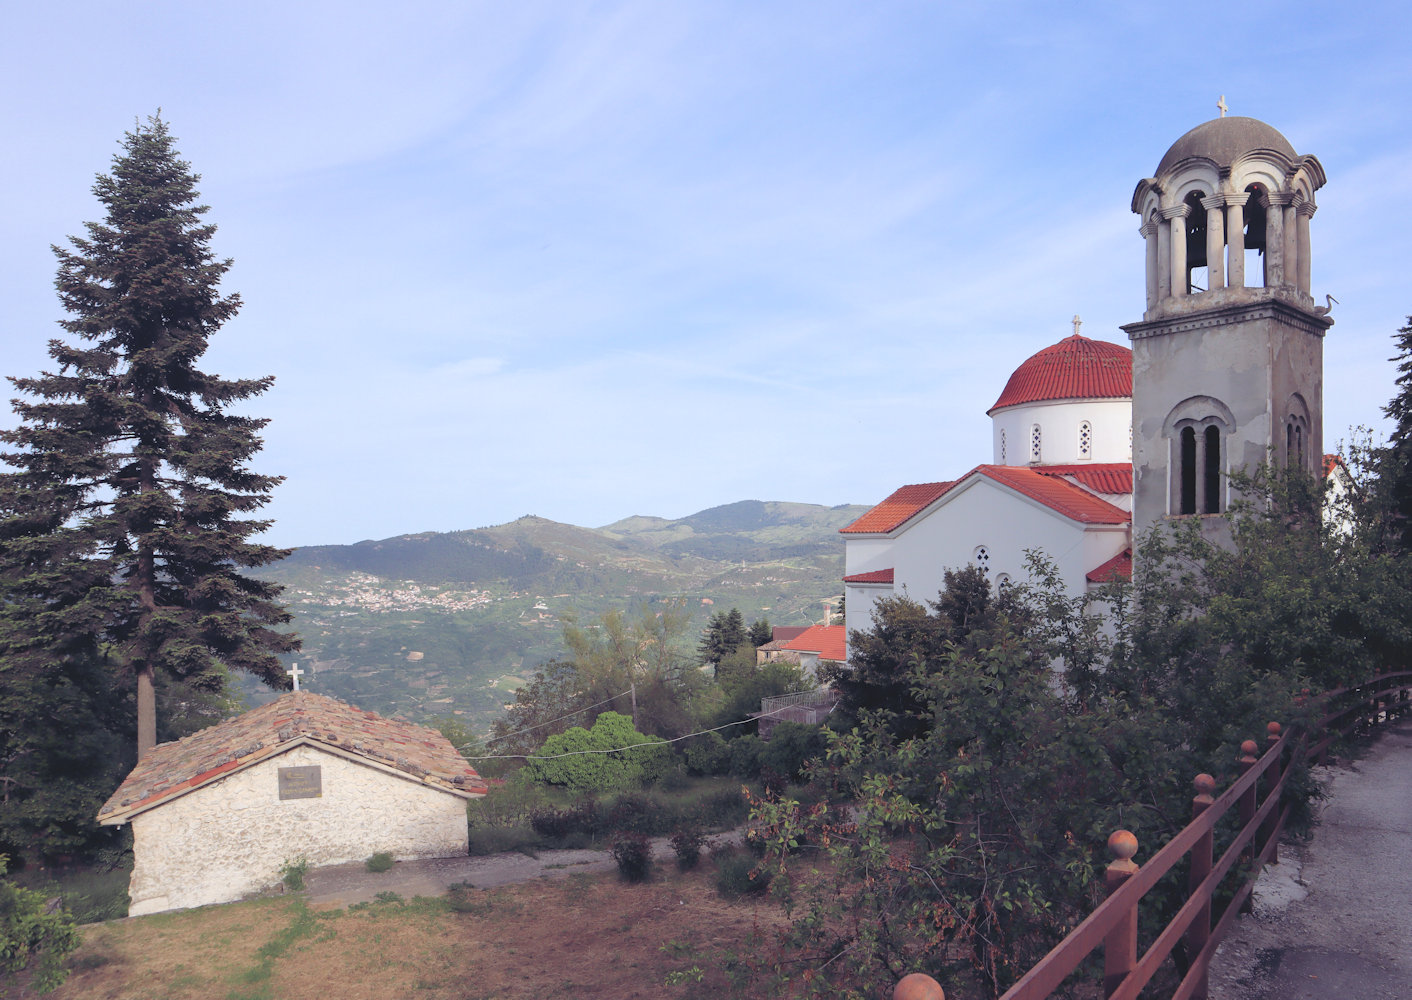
x,y
1205,785
918,986
1273,728
1248,750
1122,844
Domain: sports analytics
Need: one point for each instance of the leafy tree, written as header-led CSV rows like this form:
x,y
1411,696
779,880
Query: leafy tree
x,y
28,930
123,529
552,702
610,756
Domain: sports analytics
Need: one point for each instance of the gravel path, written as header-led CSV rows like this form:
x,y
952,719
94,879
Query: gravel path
x,y
1333,920
341,885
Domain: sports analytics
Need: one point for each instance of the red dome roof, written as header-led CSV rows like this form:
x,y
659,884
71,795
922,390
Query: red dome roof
x,y
1074,368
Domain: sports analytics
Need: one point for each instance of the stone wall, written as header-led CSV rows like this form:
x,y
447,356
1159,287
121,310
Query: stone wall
x,y
229,838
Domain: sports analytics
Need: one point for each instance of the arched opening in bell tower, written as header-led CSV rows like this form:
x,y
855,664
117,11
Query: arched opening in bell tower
x,y
1256,221
1197,273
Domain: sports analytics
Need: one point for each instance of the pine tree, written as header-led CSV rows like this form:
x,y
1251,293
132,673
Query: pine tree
x,y
1395,464
124,527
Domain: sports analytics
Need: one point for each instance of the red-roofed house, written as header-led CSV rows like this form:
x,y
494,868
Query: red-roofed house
x,y
216,814
818,643
1061,482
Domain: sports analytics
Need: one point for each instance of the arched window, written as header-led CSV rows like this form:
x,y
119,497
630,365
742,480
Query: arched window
x,y
1197,428
1085,439
981,557
1002,582
1035,443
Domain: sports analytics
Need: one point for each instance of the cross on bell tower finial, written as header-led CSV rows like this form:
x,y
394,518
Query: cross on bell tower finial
x,y
1222,105
1077,323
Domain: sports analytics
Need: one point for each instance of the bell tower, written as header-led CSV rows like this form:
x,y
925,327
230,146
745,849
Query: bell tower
x,y
1228,366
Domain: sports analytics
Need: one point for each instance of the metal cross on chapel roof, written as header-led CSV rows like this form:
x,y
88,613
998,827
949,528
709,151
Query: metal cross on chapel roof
x,y
296,673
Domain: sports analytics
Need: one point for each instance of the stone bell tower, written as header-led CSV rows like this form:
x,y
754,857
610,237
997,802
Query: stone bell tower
x,y
1228,364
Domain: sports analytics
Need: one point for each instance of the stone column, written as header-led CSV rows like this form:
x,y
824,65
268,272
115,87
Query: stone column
x,y
1291,244
1164,260
1149,234
1275,239
1176,219
1215,241
1306,212
1235,228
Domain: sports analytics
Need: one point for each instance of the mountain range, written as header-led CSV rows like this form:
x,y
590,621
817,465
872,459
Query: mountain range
x,y
450,623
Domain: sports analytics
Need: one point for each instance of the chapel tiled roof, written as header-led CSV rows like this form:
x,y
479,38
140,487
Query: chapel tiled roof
x,y
904,504
171,769
876,576
785,633
1120,567
829,641
1103,477
1074,368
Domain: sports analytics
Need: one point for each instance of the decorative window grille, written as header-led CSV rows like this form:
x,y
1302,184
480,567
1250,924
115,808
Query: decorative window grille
x,y
1085,439
1035,441
1002,581
1002,446
981,557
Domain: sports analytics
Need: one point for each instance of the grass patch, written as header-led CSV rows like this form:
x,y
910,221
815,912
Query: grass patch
x,y
380,862
303,925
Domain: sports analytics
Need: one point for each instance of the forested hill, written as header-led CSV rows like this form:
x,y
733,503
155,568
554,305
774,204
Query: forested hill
x,y
450,623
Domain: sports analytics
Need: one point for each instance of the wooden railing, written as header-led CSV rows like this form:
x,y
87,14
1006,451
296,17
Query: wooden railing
x,y
1255,798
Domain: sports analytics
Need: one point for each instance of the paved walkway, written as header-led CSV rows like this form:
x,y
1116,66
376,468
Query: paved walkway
x,y
1333,920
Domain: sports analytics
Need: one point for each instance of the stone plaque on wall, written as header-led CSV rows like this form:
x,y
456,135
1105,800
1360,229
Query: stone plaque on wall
x,y
301,782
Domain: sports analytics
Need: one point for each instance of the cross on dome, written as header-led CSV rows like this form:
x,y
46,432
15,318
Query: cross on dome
x,y
1077,323
1222,105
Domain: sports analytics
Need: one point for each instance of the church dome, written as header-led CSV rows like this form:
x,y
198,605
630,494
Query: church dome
x,y
1225,140
1074,368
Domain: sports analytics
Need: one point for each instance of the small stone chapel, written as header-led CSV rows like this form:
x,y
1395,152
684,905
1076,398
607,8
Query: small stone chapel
x,y
215,815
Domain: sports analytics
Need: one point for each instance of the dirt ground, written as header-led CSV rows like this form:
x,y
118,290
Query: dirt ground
x,y
580,935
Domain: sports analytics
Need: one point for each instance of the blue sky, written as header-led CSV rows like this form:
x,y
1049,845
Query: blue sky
x,y
588,260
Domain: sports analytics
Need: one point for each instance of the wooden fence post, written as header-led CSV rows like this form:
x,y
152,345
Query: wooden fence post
x,y
1247,813
918,986
1272,777
1120,946
1200,930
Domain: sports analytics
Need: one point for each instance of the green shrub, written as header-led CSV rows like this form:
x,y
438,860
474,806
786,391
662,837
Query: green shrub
x,y
29,930
499,839
737,875
708,755
380,862
687,843
292,873
572,761
745,756
633,854
791,746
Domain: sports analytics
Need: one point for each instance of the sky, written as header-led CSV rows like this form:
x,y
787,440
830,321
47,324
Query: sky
x,y
590,260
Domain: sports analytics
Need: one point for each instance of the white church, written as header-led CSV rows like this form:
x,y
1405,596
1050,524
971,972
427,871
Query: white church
x,y
1092,440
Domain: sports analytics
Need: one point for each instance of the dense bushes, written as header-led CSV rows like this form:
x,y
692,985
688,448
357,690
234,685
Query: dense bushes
x,y
30,931
595,760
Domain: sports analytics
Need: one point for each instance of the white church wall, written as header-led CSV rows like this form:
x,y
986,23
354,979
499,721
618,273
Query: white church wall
x,y
982,513
1109,421
859,603
229,838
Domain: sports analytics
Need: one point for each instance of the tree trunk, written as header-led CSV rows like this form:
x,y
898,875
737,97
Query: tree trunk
x,y
146,711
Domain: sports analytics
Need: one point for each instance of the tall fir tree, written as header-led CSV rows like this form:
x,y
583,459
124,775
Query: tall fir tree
x,y
125,527
1395,464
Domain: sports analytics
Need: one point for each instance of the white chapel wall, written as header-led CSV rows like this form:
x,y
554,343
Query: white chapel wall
x,y
228,839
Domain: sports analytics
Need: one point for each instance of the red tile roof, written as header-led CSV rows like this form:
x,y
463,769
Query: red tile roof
x,y
1074,368
876,576
898,508
1057,494
171,769
1104,477
1120,567
784,633
826,640
1332,462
